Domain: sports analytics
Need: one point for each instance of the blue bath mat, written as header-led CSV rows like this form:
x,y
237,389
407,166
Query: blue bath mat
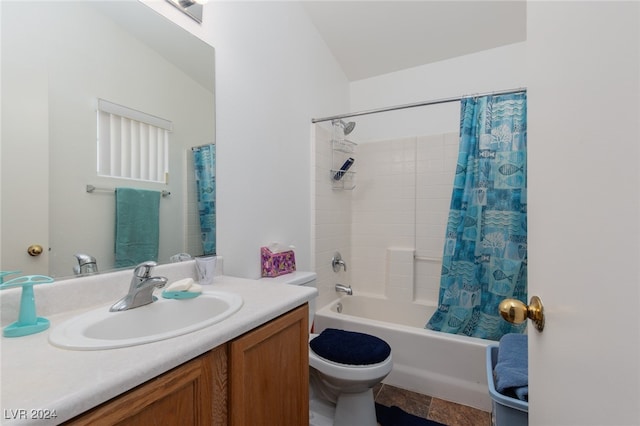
x,y
394,416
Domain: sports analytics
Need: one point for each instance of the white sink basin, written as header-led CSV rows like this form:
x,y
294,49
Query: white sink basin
x,y
166,318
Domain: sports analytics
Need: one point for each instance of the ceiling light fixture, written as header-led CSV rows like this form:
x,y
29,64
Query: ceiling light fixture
x,y
191,8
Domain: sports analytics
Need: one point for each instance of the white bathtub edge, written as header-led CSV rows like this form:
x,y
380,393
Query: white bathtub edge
x,y
439,386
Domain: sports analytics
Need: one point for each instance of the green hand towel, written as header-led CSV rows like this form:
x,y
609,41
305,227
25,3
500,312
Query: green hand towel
x,y
137,226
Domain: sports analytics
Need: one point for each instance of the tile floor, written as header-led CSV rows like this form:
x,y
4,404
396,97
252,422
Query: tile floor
x,y
445,412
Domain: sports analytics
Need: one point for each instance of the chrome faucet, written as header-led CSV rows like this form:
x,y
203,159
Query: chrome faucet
x,y
87,264
346,289
141,288
337,262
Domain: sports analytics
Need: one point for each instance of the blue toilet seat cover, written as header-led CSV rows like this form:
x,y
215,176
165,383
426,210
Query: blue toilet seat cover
x,y
350,347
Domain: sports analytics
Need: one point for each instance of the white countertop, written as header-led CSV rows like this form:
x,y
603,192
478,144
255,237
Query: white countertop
x,y
37,376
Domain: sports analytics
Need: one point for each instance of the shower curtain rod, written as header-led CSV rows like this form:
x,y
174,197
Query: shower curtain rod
x,y
416,104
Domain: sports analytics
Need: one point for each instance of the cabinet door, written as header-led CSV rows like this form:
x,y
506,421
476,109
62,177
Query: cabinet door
x,y
192,394
269,373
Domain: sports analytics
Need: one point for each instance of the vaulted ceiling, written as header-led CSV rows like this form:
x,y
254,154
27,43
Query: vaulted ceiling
x,y
370,38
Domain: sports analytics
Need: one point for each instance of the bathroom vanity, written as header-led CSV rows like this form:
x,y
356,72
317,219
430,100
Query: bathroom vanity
x,y
257,378
249,367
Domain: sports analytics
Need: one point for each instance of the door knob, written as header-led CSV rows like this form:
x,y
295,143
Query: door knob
x,y
34,250
517,312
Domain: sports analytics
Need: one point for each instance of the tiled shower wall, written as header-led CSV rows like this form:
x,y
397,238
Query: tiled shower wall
x,y
332,230
398,209
436,160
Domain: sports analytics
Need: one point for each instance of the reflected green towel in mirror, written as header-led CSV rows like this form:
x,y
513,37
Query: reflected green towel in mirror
x,y
137,226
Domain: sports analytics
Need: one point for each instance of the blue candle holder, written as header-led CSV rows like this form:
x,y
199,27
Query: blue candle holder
x,y
28,322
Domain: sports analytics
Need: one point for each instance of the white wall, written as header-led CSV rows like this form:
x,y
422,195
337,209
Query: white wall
x,y
273,74
490,70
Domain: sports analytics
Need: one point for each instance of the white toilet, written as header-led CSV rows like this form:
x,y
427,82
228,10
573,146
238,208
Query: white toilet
x,y
341,392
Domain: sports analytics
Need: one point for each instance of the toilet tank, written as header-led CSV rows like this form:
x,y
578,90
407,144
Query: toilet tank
x,y
307,279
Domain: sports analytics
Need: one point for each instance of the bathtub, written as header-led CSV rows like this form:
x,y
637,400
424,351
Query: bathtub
x,y
441,365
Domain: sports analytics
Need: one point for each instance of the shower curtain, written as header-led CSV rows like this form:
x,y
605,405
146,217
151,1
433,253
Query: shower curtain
x,y
485,253
204,159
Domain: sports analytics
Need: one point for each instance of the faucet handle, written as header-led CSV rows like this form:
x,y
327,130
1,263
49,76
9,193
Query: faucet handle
x,y
84,259
337,262
143,270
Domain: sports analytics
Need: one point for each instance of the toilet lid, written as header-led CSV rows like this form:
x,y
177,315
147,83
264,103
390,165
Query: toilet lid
x,y
350,347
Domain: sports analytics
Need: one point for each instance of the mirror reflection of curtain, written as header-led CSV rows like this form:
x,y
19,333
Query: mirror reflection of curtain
x,y
485,253
204,159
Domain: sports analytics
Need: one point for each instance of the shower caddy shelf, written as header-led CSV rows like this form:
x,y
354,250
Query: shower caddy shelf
x,y
341,150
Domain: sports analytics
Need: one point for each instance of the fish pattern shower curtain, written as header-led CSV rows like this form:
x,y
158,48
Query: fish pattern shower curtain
x,y
485,253
204,159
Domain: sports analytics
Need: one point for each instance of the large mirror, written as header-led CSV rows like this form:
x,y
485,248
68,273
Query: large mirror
x,y
58,59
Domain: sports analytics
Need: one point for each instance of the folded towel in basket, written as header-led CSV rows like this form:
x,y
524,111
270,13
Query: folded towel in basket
x,y
511,371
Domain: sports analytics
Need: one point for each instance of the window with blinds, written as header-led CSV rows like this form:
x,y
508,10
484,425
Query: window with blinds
x,y
132,144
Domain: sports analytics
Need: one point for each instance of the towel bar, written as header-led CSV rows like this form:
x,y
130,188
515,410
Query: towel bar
x,y
91,188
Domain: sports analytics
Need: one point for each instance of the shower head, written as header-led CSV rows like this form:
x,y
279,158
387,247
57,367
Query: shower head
x,y
348,127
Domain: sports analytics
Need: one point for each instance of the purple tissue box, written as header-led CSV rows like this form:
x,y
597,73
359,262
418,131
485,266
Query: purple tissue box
x,y
275,264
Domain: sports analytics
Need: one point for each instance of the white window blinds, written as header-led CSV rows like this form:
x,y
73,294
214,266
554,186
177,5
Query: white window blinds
x,y
132,144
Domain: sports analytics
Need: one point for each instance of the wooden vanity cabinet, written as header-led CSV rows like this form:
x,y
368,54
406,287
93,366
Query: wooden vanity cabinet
x,y
269,373
191,394
260,378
